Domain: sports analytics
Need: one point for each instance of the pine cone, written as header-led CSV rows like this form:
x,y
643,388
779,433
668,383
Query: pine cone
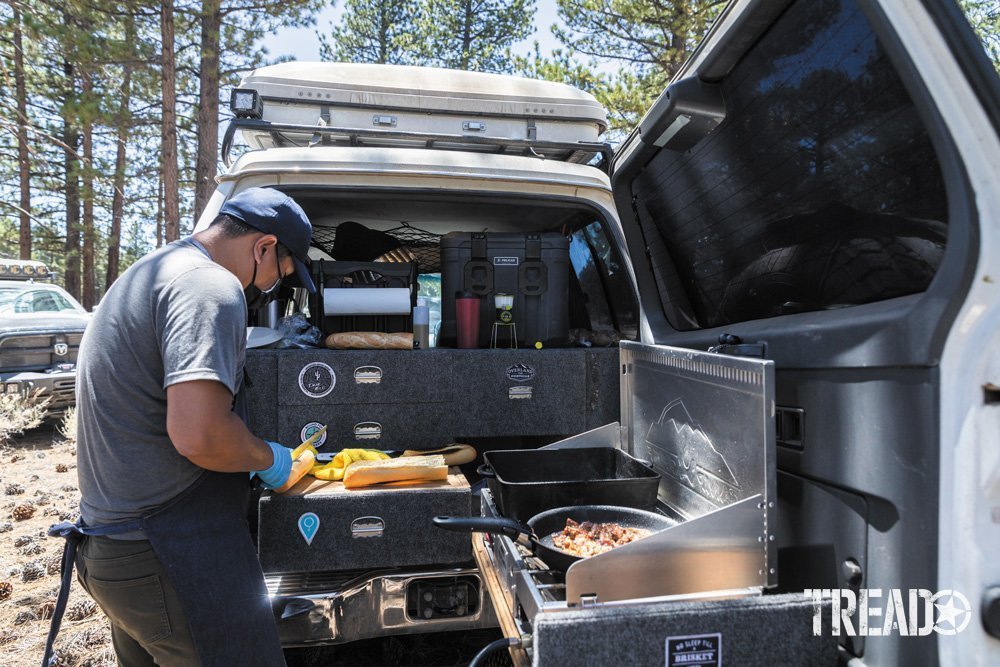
x,y
31,550
23,512
33,571
6,588
22,540
8,636
25,616
63,657
13,490
80,610
61,467
54,564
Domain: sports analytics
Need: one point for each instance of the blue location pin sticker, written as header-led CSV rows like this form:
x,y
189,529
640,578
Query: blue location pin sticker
x,y
308,526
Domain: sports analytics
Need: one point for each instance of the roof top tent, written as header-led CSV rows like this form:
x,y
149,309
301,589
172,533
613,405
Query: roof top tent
x,y
306,104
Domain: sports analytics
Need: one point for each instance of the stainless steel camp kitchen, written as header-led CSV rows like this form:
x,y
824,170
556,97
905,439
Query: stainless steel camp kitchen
x,y
764,321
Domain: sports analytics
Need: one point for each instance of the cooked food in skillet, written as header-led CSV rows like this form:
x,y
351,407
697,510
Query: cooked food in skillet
x,y
589,539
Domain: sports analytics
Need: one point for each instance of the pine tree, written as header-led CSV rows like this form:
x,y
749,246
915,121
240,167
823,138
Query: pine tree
x,y
473,34
373,31
984,16
649,42
23,159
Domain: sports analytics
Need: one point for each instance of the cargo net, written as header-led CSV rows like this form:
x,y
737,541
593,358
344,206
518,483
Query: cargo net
x,y
415,244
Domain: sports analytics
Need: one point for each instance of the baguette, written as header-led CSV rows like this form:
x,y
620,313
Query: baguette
x,y
300,466
370,340
405,469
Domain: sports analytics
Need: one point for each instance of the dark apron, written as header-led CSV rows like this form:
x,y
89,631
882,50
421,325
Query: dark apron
x,y
203,541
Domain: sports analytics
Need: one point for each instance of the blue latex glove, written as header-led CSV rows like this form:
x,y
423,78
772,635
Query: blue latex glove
x,y
277,474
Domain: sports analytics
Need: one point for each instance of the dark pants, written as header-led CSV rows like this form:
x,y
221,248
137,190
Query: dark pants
x,y
125,578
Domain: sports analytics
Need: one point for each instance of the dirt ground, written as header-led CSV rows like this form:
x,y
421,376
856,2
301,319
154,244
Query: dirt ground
x,y
39,469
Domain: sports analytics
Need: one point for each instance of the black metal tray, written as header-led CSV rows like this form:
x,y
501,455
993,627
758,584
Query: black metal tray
x,y
527,482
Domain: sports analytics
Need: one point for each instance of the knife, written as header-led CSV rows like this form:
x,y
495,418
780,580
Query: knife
x,y
454,455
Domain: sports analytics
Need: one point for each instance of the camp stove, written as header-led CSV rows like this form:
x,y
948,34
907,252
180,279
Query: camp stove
x,y
705,422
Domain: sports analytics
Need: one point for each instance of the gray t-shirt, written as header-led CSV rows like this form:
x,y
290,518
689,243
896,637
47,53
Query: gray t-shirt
x,y
174,316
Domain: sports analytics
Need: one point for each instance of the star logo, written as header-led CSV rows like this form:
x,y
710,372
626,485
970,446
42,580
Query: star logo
x,y
953,612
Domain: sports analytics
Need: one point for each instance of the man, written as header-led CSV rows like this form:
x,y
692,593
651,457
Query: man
x,y
163,458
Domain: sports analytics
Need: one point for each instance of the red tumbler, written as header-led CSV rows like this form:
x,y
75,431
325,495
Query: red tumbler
x,y
467,319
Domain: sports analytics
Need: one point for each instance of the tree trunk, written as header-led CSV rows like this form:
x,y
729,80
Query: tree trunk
x,y
467,36
23,160
71,141
159,210
89,294
208,106
124,122
383,34
168,135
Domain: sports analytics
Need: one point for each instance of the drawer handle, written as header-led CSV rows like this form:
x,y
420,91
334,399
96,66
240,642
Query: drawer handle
x,y
367,431
368,375
519,393
367,526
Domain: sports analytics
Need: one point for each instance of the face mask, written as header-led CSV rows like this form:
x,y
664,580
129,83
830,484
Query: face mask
x,y
255,296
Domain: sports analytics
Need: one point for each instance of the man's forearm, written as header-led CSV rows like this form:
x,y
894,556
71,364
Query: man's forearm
x,y
230,447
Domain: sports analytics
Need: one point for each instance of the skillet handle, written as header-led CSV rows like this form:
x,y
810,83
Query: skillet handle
x,y
482,524
486,470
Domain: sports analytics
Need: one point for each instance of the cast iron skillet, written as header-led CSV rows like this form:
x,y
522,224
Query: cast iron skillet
x,y
540,527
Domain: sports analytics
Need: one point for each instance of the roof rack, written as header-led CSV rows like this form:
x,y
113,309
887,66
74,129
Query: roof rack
x,y
322,135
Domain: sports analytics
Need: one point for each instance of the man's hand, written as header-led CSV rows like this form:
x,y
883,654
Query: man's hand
x,y
204,429
275,476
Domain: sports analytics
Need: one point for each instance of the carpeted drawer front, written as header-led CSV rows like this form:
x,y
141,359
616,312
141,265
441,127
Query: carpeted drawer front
x,y
331,377
520,392
364,528
371,425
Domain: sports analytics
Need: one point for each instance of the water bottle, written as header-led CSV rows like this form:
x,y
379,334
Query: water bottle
x,y
421,325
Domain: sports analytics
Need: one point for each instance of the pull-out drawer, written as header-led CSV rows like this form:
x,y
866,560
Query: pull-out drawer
x,y
371,425
520,392
324,377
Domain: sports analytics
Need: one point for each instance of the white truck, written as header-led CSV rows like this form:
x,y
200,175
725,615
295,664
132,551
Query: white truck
x,y
814,199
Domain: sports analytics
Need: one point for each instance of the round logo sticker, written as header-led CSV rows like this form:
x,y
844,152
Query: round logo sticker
x,y
309,430
316,380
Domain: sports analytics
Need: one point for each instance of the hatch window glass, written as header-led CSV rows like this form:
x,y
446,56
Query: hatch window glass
x,y
605,300
820,190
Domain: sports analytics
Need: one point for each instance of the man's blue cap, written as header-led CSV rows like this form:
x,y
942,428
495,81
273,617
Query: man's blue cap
x,y
273,212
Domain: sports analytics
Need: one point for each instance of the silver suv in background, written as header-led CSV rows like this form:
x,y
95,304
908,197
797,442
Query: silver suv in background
x,y
41,326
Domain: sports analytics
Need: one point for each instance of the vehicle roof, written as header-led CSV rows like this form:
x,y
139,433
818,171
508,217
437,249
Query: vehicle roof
x,y
417,162
29,283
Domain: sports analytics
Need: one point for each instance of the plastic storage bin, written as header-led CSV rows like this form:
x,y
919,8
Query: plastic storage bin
x,y
532,267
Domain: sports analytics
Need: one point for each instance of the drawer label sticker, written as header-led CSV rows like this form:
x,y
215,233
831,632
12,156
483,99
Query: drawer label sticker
x,y
309,430
506,261
695,651
317,380
308,526
520,373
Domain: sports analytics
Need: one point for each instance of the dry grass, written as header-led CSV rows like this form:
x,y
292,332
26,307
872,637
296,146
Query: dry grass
x,y
31,462
20,413
67,427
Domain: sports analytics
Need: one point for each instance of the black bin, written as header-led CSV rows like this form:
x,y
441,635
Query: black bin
x,y
534,268
527,482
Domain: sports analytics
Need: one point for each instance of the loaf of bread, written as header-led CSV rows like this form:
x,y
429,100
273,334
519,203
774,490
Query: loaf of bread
x,y
403,469
369,340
